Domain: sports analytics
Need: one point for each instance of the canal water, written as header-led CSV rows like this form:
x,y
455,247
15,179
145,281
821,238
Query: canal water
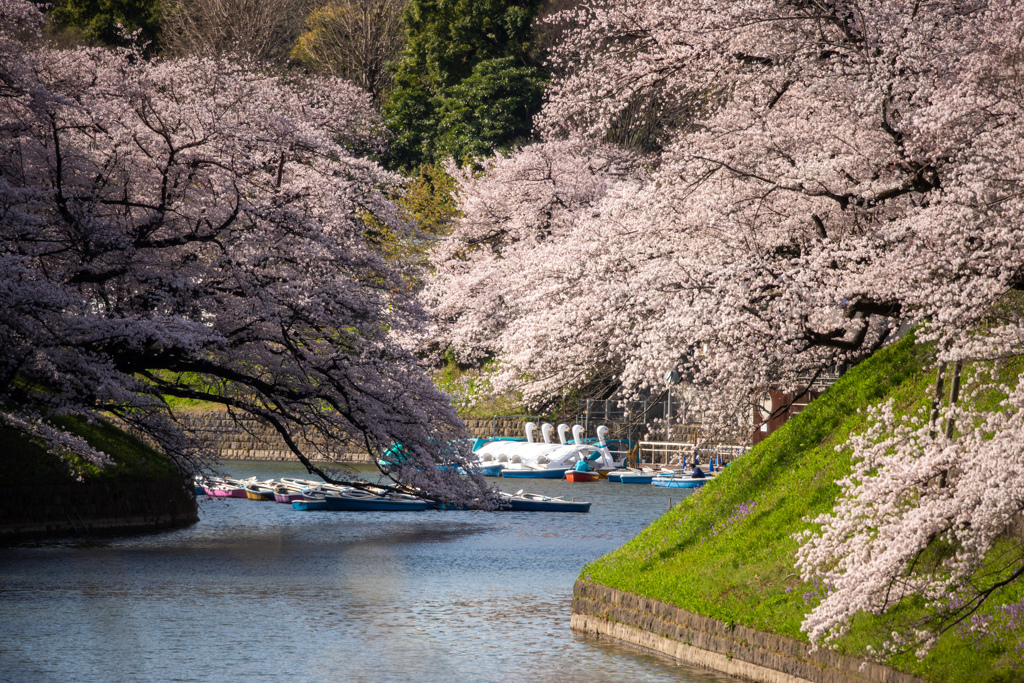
x,y
259,591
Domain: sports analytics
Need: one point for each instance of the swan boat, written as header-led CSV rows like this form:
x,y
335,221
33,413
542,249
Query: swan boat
x,y
545,460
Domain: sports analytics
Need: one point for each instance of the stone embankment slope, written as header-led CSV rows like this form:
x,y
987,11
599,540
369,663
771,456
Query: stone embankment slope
x,y
41,497
715,644
713,581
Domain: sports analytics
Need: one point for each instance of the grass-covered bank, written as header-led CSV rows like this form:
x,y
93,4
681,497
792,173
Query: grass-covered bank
x,y
140,491
728,551
24,459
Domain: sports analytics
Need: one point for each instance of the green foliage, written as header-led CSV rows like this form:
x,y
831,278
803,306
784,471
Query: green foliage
x,y
471,392
728,551
24,460
430,200
467,83
491,108
97,20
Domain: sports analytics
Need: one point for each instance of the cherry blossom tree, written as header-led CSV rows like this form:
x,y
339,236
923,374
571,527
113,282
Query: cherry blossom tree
x,y
805,178
197,229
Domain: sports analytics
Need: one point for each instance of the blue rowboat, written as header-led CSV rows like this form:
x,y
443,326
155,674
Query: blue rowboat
x,y
309,505
637,478
680,482
524,473
358,503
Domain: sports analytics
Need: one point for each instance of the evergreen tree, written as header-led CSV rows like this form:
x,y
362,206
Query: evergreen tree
x,y
98,20
467,82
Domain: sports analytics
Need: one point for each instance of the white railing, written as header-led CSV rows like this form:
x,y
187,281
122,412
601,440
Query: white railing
x,y
664,452
673,453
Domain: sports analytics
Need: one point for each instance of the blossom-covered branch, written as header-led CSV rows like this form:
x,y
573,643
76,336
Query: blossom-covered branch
x,y
197,228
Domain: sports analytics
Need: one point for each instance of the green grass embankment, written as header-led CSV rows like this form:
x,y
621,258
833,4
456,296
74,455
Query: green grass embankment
x,y
23,459
728,551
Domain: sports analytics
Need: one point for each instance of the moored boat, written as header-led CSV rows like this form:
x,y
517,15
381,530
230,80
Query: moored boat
x,y
225,488
309,505
534,472
348,502
680,481
534,502
576,476
260,490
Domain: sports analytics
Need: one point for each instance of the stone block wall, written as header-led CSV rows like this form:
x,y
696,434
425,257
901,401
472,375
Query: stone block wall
x,y
249,439
733,649
82,509
482,429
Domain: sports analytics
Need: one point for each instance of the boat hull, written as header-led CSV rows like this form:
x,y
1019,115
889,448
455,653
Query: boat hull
x,y
534,474
523,505
309,505
577,476
492,470
346,504
637,478
226,493
680,483
288,498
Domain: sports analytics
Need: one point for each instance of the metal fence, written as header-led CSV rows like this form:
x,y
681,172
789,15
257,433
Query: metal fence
x,y
673,453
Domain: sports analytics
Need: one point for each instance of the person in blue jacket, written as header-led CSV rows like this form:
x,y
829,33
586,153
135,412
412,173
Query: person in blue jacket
x,y
697,473
582,466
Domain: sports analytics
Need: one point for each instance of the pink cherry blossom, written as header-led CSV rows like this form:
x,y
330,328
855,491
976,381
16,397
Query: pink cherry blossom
x,y
199,228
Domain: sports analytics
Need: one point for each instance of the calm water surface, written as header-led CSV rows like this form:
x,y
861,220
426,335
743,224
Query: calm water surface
x,y
263,592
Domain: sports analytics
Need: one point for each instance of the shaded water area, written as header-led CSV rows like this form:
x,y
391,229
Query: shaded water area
x,y
257,590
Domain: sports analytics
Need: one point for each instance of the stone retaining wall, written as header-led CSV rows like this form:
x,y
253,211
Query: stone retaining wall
x,y
481,429
736,650
249,439
81,509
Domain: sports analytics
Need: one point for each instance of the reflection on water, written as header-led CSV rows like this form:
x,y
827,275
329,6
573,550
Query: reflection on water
x,y
260,591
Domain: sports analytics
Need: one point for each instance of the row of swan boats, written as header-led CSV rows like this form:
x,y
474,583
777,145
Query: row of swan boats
x,y
520,458
307,495
546,460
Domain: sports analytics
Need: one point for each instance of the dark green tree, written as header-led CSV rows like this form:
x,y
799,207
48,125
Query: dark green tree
x,y
97,20
467,83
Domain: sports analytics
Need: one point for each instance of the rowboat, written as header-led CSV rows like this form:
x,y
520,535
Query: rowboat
x,y
351,499
680,481
348,502
523,472
260,490
534,502
309,505
578,476
225,488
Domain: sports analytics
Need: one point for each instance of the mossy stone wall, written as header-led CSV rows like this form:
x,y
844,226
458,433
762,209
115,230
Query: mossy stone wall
x,y
95,508
733,649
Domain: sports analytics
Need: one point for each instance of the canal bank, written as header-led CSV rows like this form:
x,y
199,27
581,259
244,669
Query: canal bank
x,y
602,612
97,508
727,554
45,496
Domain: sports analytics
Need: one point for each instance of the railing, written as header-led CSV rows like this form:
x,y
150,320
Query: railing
x,y
722,453
673,453
664,452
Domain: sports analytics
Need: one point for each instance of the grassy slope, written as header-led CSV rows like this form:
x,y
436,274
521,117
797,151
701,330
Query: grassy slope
x,y
742,570
23,460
